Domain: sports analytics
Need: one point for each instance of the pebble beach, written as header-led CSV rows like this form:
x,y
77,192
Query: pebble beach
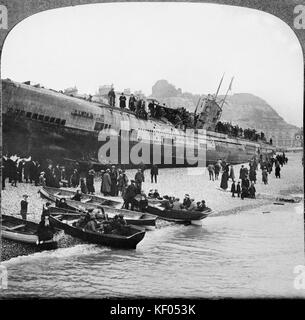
x,y
177,182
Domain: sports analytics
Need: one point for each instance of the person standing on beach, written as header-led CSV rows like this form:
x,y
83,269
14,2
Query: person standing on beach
x,y
154,171
42,179
224,179
278,171
106,183
252,175
217,168
211,170
114,181
139,178
238,190
24,206
90,181
232,174
252,191
233,189
46,210
265,176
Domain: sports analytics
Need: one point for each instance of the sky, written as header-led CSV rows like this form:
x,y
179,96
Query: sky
x,y
132,45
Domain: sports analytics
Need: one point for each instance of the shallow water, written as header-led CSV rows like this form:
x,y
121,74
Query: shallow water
x,y
250,254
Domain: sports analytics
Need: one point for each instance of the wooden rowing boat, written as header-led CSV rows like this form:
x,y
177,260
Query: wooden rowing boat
x,y
131,217
56,193
129,239
24,231
182,216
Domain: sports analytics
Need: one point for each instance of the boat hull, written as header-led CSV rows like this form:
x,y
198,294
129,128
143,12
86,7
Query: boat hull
x,y
110,240
26,235
131,217
179,216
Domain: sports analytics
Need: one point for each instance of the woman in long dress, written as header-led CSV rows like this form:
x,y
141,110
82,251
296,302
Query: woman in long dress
x,y
224,179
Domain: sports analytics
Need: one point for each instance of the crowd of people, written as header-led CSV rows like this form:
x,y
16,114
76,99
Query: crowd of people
x,y
179,117
236,131
115,182
143,109
244,186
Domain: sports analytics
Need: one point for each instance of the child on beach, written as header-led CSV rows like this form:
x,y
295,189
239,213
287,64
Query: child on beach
x,y
233,189
24,207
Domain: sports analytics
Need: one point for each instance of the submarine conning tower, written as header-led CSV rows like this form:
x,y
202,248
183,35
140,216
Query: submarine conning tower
x,y
209,113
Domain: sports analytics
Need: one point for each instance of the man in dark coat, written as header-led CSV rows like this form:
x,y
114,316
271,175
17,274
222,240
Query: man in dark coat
x,y
4,171
233,189
90,182
252,175
14,174
122,101
114,181
130,194
154,171
278,171
217,168
242,172
37,173
106,183
20,169
27,169
139,178
211,170
245,184
132,103
238,189
111,97
252,191
49,176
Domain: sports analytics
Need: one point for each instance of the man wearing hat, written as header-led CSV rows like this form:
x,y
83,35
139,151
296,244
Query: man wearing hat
x,y
186,201
24,206
106,183
130,194
46,210
139,178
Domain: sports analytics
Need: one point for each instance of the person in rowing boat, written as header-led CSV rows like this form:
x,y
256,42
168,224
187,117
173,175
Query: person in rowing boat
x,y
143,202
77,196
46,210
129,197
166,203
62,203
177,205
121,219
201,206
186,201
84,219
45,231
192,206
117,224
92,223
